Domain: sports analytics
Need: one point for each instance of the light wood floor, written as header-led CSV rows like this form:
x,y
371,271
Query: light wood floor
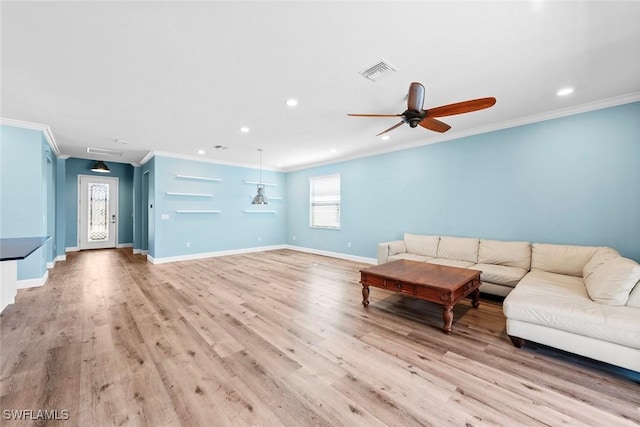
x,y
279,338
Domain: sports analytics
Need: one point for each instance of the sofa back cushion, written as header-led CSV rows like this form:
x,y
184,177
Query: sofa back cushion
x,y
459,248
512,254
600,256
421,244
561,259
634,297
612,281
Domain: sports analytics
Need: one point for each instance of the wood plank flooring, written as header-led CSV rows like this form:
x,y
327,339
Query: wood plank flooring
x,y
279,338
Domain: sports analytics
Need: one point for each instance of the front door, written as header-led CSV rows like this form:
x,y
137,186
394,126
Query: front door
x,y
97,212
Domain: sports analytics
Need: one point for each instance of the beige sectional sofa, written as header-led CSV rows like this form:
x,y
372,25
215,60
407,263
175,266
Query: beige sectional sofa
x,y
581,299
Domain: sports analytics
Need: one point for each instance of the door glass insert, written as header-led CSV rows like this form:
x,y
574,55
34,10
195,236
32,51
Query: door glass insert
x,y
98,221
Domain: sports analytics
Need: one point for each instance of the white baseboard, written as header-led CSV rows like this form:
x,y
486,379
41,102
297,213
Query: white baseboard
x,y
32,283
137,251
61,258
260,249
51,264
124,245
72,249
144,252
213,254
339,255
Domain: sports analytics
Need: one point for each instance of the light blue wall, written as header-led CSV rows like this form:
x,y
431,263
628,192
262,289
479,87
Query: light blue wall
x,y
572,180
232,228
124,173
137,208
61,207
24,197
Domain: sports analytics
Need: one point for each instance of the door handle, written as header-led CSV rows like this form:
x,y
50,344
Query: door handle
x,y
113,219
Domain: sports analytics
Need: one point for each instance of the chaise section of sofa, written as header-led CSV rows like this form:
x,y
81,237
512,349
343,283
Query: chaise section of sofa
x,y
585,300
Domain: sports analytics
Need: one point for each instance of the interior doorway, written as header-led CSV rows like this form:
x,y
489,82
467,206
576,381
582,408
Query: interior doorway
x,y
97,212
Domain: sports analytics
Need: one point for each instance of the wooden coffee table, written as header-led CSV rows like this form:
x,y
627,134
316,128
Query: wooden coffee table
x,y
440,284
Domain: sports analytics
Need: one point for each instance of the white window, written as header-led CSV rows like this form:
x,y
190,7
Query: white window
x,y
324,195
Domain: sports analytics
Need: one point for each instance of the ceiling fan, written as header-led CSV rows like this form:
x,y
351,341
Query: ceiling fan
x,y
415,115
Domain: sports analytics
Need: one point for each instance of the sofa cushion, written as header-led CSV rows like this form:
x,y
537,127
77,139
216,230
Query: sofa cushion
x,y
513,254
409,256
612,281
421,245
600,256
500,274
634,297
561,302
450,262
561,259
397,247
458,248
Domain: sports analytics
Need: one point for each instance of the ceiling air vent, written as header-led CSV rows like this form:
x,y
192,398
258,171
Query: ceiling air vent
x,y
377,71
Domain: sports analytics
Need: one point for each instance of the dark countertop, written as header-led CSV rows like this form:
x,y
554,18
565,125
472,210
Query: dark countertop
x,y
20,247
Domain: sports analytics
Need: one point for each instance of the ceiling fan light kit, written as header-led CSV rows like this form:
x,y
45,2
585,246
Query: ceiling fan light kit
x,y
415,115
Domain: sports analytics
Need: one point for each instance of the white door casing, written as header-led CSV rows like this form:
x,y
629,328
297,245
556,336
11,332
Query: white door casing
x,y
97,212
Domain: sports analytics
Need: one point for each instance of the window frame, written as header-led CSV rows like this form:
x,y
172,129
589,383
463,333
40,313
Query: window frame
x,y
311,201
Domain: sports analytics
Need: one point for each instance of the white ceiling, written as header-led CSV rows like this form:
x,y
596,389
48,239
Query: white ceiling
x,y
177,76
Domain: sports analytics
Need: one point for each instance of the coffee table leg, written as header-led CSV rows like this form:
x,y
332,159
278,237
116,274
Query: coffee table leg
x,y
476,298
447,315
365,295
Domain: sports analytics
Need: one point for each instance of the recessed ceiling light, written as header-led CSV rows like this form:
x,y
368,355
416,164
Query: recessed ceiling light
x,y
201,151
244,129
292,102
385,137
279,165
564,91
333,150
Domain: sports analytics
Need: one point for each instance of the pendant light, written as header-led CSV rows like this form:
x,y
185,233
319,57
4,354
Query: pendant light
x,y
100,167
261,198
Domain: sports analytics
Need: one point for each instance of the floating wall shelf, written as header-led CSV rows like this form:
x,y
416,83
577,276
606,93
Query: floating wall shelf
x,y
198,211
257,183
199,178
246,211
170,193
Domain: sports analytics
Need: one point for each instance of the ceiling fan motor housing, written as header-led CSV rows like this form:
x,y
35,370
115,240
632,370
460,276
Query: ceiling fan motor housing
x,y
413,117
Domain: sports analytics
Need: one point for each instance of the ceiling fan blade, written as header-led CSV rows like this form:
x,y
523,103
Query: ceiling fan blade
x,y
374,115
461,107
391,128
416,97
435,125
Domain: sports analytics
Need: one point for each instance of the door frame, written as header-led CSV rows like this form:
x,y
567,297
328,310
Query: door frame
x,y
79,208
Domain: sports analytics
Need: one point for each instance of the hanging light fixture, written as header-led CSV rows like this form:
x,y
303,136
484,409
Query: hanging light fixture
x,y
100,167
261,198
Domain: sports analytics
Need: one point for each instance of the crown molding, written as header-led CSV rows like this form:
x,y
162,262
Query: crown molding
x,y
564,112
45,129
152,154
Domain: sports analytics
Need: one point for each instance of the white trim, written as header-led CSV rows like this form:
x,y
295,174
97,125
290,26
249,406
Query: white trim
x,y
199,178
339,255
144,251
51,264
61,258
202,255
213,254
171,193
79,215
154,153
124,245
45,129
137,251
199,211
146,158
32,283
72,249
569,111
